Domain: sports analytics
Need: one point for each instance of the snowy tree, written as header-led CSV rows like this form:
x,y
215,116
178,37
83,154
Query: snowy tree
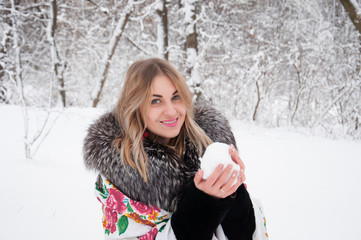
x,y
4,45
32,137
273,62
162,28
118,31
58,65
353,9
191,48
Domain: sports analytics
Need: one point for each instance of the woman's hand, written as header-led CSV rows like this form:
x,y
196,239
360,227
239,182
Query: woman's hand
x,y
235,157
216,185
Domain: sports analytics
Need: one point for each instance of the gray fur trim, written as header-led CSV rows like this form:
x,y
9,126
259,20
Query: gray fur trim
x,y
167,174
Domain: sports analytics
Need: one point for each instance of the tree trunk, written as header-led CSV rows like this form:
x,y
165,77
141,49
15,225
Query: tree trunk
x,y
352,13
3,89
162,29
111,50
17,77
191,27
58,66
258,102
191,48
299,92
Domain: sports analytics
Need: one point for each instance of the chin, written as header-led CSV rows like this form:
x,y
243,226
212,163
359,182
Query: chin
x,y
171,134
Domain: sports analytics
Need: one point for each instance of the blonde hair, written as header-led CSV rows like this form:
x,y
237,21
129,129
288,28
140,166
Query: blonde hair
x,y
137,90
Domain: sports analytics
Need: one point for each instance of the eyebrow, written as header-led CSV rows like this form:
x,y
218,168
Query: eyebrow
x,y
160,96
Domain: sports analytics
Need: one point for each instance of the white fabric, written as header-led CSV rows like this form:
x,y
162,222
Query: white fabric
x,y
261,228
168,234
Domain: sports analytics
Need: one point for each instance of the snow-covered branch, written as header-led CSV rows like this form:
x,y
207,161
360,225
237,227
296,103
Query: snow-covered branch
x,y
118,31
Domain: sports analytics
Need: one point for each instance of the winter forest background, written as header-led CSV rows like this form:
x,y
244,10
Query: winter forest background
x,y
268,65
274,62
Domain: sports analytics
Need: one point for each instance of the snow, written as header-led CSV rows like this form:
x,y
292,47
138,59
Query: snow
x,y
189,10
308,185
215,154
104,10
356,6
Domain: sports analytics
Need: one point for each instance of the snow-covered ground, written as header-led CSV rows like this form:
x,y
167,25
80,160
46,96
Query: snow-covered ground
x,y
309,185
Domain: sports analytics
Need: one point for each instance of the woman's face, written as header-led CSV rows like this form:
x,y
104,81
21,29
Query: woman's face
x,y
166,110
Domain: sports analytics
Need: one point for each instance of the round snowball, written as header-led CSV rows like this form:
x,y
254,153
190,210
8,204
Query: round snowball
x,y
215,154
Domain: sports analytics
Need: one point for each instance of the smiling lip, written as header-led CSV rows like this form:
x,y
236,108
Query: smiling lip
x,y
170,122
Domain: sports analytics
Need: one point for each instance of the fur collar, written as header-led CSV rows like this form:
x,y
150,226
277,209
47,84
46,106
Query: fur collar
x,y
167,174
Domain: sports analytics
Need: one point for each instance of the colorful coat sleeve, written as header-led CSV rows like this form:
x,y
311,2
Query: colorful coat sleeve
x,y
124,218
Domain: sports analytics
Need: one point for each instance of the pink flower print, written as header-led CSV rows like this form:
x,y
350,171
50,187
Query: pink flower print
x,y
150,235
143,208
111,219
115,201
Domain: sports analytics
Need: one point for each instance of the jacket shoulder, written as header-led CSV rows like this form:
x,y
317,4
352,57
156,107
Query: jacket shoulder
x,y
98,143
214,124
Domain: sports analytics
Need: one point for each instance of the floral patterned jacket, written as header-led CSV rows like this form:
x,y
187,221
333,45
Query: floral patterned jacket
x,y
124,218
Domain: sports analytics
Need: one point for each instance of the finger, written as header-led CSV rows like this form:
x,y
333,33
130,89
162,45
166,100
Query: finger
x,y
241,164
243,176
215,175
234,188
235,156
233,180
198,177
233,152
223,177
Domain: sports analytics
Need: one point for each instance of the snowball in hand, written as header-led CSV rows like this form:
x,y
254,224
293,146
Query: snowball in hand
x,y
215,154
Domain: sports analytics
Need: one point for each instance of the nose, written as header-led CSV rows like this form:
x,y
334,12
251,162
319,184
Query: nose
x,y
169,109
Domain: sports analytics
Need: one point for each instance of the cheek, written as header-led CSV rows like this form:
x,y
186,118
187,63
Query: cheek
x,y
182,109
182,112
153,115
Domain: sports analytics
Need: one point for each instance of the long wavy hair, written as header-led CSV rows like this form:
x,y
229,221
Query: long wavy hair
x,y
136,91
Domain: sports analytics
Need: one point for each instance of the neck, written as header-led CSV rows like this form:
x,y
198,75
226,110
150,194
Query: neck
x,y
158,139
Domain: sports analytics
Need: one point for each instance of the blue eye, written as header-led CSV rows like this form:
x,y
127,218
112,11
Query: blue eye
x,y
155,101
176,97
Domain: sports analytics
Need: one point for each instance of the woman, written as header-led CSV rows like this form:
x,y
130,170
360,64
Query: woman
x,y
147,153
